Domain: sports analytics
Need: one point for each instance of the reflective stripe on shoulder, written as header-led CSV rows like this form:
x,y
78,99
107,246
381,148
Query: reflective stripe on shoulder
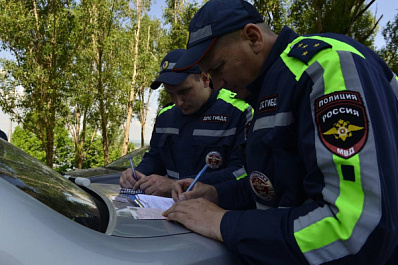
x,y
297,67
353,211
230,98
165,109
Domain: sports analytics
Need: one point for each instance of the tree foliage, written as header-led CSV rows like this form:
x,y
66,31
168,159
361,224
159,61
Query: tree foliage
x,y
63,146
348,17
86,65
177,17
389,51
43,38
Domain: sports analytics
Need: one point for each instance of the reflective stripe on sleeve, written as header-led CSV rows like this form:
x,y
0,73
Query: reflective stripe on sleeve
x,y
240,173
173,174
353,211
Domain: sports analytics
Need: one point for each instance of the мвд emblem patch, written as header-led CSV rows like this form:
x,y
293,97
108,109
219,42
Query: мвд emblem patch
x,y
262,186
342,122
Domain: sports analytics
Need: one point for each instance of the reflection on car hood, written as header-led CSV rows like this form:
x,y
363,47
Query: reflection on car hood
x,y
92,172
115,167
122,223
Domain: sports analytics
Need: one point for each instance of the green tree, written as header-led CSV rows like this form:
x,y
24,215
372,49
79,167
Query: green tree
x,y
348,17
142,48
177,16
28,141
389,51
274,12
106,26
147,67
63,147
42,38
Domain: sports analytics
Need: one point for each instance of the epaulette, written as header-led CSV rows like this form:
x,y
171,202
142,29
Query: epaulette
x,y
305,49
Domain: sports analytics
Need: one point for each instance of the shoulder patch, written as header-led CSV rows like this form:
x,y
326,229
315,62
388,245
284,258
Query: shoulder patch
x,y
342,122
305,49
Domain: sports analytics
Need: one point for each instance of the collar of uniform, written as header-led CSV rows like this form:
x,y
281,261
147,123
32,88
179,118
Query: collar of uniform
x,y
286,36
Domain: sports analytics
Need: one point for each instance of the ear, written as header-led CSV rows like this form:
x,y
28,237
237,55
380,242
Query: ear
x,y
255,36
205,78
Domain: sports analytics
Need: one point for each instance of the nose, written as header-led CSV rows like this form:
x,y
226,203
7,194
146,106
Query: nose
x,y
178,100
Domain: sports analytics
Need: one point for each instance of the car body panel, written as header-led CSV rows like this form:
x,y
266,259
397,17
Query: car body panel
x,y
123,224
34,234
38,225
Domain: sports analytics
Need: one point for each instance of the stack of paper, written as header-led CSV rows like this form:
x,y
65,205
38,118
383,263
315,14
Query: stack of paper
x,y
150,206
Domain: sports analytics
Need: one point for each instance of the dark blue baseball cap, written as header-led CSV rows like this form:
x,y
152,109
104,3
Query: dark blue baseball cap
x,y
166,73
215,18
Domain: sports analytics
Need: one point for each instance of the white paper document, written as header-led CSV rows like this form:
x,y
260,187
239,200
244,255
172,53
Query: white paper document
x,y
152,206
146,213
155,202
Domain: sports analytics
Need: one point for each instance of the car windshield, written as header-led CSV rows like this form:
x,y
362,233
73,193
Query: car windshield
x,y
46,185
124,161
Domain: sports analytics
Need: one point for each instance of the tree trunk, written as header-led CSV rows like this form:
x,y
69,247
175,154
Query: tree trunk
x,y
133,80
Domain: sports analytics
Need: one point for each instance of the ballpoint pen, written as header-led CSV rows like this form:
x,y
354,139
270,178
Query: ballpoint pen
x,y
132,167
139,203
197,177
213,160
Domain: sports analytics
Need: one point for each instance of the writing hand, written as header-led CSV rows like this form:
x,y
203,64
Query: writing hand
x,y
200,190
198,215
155,185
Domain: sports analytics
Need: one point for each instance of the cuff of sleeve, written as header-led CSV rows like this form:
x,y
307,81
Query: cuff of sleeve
x,y
228,226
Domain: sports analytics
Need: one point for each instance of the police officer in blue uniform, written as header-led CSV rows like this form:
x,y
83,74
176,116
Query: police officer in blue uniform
x,y
3,135
322,148
200,124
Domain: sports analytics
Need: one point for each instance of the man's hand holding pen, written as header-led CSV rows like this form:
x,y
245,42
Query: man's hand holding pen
x,y
196,209
200,190
127,179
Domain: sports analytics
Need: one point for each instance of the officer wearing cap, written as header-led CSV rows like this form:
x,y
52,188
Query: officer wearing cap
x,y
3,135
322,148
200,123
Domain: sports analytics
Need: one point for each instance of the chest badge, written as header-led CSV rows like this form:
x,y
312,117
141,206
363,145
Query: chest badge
x,y
214,159
262,186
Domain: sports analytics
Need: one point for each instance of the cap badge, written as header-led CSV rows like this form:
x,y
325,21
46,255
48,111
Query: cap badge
x,y
164,65
262,186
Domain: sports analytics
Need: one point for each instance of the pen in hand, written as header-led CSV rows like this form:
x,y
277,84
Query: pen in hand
x,y
132,168
213,160
197,177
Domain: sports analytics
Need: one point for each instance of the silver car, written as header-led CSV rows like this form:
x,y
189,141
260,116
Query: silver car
x,y
48,219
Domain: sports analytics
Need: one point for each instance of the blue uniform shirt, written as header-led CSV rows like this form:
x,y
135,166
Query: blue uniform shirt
x,y
322,156
180,143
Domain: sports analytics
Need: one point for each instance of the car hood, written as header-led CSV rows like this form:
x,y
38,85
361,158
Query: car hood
x,y
93,172
121,221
